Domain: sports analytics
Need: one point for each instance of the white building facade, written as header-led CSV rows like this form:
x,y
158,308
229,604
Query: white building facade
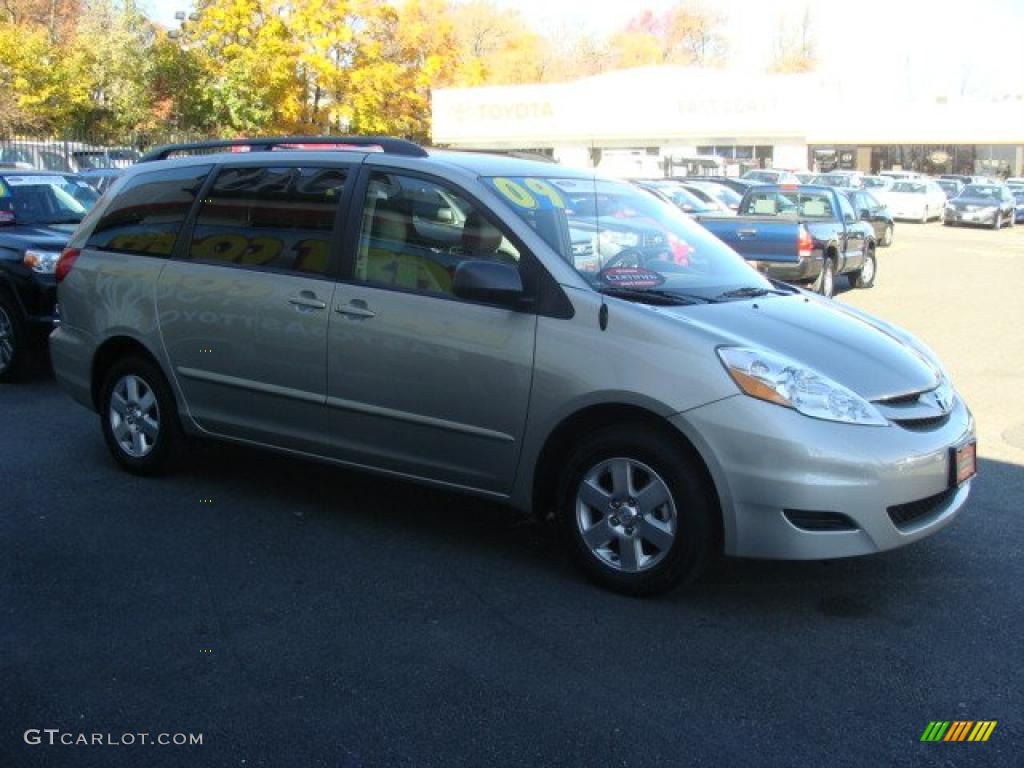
x,y
658,119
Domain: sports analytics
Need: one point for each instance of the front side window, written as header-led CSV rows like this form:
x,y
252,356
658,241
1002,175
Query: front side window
x,y
148,212
278,218
415,233
625,242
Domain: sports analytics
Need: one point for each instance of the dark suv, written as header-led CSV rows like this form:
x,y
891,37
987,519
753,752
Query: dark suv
x,y
38,212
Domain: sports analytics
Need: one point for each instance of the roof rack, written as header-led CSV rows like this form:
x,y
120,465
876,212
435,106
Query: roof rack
x,y
384,143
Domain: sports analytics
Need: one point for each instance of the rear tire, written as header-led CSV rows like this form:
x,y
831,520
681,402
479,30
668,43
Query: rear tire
x,y
865,276
13,354
636,511
997,222
924,216
826,283
139,417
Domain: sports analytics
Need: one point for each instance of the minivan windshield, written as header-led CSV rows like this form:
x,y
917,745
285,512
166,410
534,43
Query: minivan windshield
x,y
626,242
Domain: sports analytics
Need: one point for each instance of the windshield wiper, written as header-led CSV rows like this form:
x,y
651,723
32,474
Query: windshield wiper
x,y
653,296
750,292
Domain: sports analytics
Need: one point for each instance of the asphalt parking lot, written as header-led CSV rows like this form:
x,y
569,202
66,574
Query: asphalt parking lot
x,y
298,615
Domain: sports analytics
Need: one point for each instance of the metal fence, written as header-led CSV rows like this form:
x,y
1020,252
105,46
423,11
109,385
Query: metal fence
x,y
80,153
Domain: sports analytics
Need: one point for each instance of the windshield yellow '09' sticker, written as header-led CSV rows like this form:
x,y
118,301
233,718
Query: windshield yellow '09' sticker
x,y
529,193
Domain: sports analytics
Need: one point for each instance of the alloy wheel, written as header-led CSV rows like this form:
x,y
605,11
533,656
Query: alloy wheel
x,y
134,416
626,515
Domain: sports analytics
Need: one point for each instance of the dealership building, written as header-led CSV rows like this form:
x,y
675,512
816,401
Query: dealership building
x,y
686,119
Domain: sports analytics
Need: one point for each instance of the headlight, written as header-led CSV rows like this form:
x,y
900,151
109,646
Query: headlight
x,y
43,262
785,382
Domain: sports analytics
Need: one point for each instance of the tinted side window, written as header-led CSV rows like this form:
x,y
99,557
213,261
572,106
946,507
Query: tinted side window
x,y
147,213
415,233
280,218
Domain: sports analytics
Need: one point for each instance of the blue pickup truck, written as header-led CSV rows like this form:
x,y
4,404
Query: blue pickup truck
x,y
800,234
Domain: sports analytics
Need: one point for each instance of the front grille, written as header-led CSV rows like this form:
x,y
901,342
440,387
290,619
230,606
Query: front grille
x,y
904,515
819,521
920,425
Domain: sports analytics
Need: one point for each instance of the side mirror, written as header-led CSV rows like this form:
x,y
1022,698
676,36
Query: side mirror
x,y
446,215
865,214
490,282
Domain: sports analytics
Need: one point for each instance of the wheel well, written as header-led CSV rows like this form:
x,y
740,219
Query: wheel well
x,y
571,429
110,352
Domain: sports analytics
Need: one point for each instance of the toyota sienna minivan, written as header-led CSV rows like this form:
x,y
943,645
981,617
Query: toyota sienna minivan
x,y
561,342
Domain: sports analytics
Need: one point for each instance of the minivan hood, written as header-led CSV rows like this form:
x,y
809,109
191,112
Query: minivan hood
x,y
822,335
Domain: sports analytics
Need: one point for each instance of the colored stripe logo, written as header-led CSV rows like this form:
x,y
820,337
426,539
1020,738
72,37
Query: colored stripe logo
x,y
959,730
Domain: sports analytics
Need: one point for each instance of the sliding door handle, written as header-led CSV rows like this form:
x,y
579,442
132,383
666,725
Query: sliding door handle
x,y
307,300
355,308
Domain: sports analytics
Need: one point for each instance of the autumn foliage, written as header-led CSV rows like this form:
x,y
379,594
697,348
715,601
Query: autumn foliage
x,y
300,66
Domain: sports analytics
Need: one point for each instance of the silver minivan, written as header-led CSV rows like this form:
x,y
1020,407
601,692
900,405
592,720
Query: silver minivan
x,y
537,335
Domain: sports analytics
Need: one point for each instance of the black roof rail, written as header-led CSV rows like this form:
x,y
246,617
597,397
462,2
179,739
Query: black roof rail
x,y
385,143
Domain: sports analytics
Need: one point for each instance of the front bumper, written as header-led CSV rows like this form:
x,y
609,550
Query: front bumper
x,y
771,465
969,217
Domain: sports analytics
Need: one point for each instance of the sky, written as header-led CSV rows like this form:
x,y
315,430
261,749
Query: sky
x,y
916,48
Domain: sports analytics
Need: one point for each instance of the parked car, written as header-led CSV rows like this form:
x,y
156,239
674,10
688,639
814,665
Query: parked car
x,y
801,234
771,176
719,206
1018,204
720,192
100,178
841,179
736,185
878,185
1015,181
902,175
302,301
963,179
37,154
952,187
38,211
990,205
688,202
876,213
804,177
916,199
93,158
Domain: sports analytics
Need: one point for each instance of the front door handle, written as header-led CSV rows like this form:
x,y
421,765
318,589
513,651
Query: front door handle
x,y
355,308
306,300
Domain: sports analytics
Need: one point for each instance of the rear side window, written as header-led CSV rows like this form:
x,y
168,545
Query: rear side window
x,y
278,218
146,216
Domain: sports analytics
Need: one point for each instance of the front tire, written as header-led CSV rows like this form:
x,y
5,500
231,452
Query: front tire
x,y
139,417
865,276
924,216
997,222
636,510
12,341
889,235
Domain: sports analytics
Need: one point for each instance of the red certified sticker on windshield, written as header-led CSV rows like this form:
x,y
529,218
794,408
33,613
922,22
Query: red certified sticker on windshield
x,y
631,277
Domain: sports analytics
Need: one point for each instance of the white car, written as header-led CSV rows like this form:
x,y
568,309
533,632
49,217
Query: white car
x,y
900,175
918,199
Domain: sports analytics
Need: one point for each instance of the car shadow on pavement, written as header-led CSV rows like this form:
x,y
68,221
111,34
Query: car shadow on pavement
x,y
342,501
